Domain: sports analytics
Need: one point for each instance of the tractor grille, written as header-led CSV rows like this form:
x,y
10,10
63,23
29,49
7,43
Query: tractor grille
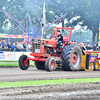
x,y
36,48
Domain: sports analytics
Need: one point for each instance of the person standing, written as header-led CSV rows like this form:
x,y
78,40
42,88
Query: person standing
x,y
82,48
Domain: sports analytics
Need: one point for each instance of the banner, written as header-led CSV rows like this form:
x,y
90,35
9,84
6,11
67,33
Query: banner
x,y
94,56
12,56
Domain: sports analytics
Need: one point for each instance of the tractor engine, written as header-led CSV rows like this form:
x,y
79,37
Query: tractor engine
x,y
43,46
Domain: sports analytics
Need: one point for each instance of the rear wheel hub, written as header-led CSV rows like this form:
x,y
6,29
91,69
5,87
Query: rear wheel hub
x,y
74,58
52,64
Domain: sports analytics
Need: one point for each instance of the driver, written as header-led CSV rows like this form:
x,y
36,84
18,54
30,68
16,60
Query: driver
x,y
60,38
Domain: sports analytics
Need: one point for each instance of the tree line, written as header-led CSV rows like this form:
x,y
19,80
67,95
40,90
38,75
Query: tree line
x,y
88,10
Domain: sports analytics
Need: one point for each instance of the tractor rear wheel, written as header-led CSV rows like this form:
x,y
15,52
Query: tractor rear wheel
x,y
71,58
50,64
23,62
40,65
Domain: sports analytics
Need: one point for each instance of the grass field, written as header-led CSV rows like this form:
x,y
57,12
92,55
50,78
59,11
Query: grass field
x,y
12,63
47,82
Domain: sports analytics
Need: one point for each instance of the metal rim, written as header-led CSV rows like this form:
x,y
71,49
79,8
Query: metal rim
x,y
25,62
75,59
52,64
96,64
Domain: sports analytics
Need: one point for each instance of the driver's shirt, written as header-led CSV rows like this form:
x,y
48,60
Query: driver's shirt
x,y
61,37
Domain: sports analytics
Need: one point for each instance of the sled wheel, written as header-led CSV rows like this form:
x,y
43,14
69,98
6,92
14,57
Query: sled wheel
x,y
96,65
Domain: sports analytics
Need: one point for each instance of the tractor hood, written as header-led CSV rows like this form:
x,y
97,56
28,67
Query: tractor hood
x,y
49,42
45,42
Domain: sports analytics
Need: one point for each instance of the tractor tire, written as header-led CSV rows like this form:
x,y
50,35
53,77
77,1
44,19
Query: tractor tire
x,y
23,62
96,65
50,64
40,65
71,58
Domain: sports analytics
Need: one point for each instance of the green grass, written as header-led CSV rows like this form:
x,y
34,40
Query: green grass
x,y
47,82
12,63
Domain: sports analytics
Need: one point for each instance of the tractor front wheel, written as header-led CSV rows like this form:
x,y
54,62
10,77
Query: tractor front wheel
x,y
50,64
23,62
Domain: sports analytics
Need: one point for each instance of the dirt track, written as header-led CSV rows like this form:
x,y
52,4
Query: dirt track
x,y
56,92
16,74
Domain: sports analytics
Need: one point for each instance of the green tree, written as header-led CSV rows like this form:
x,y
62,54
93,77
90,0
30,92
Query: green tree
x,y
89,12
3,4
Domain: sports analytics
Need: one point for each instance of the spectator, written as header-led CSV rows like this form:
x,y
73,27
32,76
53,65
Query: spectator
x,y
89,47
9,45
0,44
5,45
17,46
24,44
82,48
13,47
21,46
29,47
98,46
85,45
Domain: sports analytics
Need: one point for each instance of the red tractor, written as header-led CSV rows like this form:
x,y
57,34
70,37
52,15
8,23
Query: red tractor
x,y
48,57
